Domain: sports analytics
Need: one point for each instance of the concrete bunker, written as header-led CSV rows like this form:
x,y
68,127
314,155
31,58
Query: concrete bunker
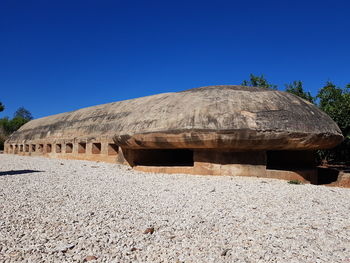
x,y
215,130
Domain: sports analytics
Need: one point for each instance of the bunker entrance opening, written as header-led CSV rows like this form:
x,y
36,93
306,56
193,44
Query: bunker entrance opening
x,y
163,157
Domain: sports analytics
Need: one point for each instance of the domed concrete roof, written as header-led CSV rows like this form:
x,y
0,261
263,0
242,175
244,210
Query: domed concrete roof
x,y
231,117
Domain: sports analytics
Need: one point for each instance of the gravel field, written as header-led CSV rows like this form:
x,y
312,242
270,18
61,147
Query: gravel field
x,y
78,211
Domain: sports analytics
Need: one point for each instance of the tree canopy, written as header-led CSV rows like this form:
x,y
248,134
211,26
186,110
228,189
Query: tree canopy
x,y
296,88
258,81
335,101
8,126
23,113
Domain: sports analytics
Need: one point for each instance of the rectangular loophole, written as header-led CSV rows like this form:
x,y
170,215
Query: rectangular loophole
x,y
26,148
33,147
21,148
58,148
96,148
112,149
48,148
82,147
69,147
41,148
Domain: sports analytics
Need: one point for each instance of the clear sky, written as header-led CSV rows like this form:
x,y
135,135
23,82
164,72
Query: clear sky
x,y
58,56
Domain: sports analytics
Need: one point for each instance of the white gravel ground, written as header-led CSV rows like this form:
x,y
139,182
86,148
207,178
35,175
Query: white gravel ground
x,y
75,211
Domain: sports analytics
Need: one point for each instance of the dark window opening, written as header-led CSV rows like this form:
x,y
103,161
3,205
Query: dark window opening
x,y
33,147
21,148
58,148
96,148
26,148
290,160
48,148
112,149
163,157
82,147
69,148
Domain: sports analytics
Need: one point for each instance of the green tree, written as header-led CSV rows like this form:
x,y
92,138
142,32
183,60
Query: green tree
x,y
4,125
23,113
7,126
335,102
16,123
296,88
258,81
4,131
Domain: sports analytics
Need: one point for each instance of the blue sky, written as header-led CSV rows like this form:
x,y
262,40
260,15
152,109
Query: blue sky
x,y
58,56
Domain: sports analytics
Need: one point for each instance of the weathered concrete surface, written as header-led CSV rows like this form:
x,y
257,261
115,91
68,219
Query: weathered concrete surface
x,y
230,163
343,180
233,117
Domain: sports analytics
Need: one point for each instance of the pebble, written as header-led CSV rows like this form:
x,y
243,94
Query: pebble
x,y
76,211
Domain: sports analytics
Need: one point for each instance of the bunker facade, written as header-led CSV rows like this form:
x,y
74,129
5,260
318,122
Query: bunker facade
x,y
215,130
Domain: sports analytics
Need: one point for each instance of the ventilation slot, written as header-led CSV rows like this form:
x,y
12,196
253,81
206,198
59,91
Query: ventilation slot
x,y
69,148
58,148
96,148
112,149
48,148
41,148
82,147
